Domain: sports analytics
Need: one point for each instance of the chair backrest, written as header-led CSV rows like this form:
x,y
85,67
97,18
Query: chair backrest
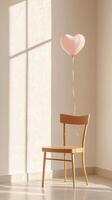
x,y
75,120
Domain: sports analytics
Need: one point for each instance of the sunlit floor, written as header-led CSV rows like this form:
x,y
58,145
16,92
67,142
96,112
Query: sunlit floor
x,y
56,189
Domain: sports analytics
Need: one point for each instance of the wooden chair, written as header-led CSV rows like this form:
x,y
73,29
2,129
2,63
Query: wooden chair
x,y
73,120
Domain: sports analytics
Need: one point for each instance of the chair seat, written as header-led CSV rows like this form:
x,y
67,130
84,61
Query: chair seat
x,y
63,149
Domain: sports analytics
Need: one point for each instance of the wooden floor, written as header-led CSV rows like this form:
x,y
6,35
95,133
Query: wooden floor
x,y
55,189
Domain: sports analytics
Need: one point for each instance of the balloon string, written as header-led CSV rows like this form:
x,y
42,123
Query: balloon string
x,y
73,59
73,90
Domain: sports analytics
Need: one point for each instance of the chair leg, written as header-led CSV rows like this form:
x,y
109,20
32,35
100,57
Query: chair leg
x,y
84,167
73,168
65,174
43,172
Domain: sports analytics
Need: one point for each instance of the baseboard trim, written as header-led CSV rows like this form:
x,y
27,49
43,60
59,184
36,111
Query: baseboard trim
x,y
79,172
54,174
38,175
103,172
13,178
24,178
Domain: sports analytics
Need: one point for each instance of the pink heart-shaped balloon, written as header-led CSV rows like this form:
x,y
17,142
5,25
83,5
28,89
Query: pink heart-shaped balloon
x,y
72,45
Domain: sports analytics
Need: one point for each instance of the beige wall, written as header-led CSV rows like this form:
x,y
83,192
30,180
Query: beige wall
x,y
67,17
4,87
73,17
104,85
25,44
92,93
